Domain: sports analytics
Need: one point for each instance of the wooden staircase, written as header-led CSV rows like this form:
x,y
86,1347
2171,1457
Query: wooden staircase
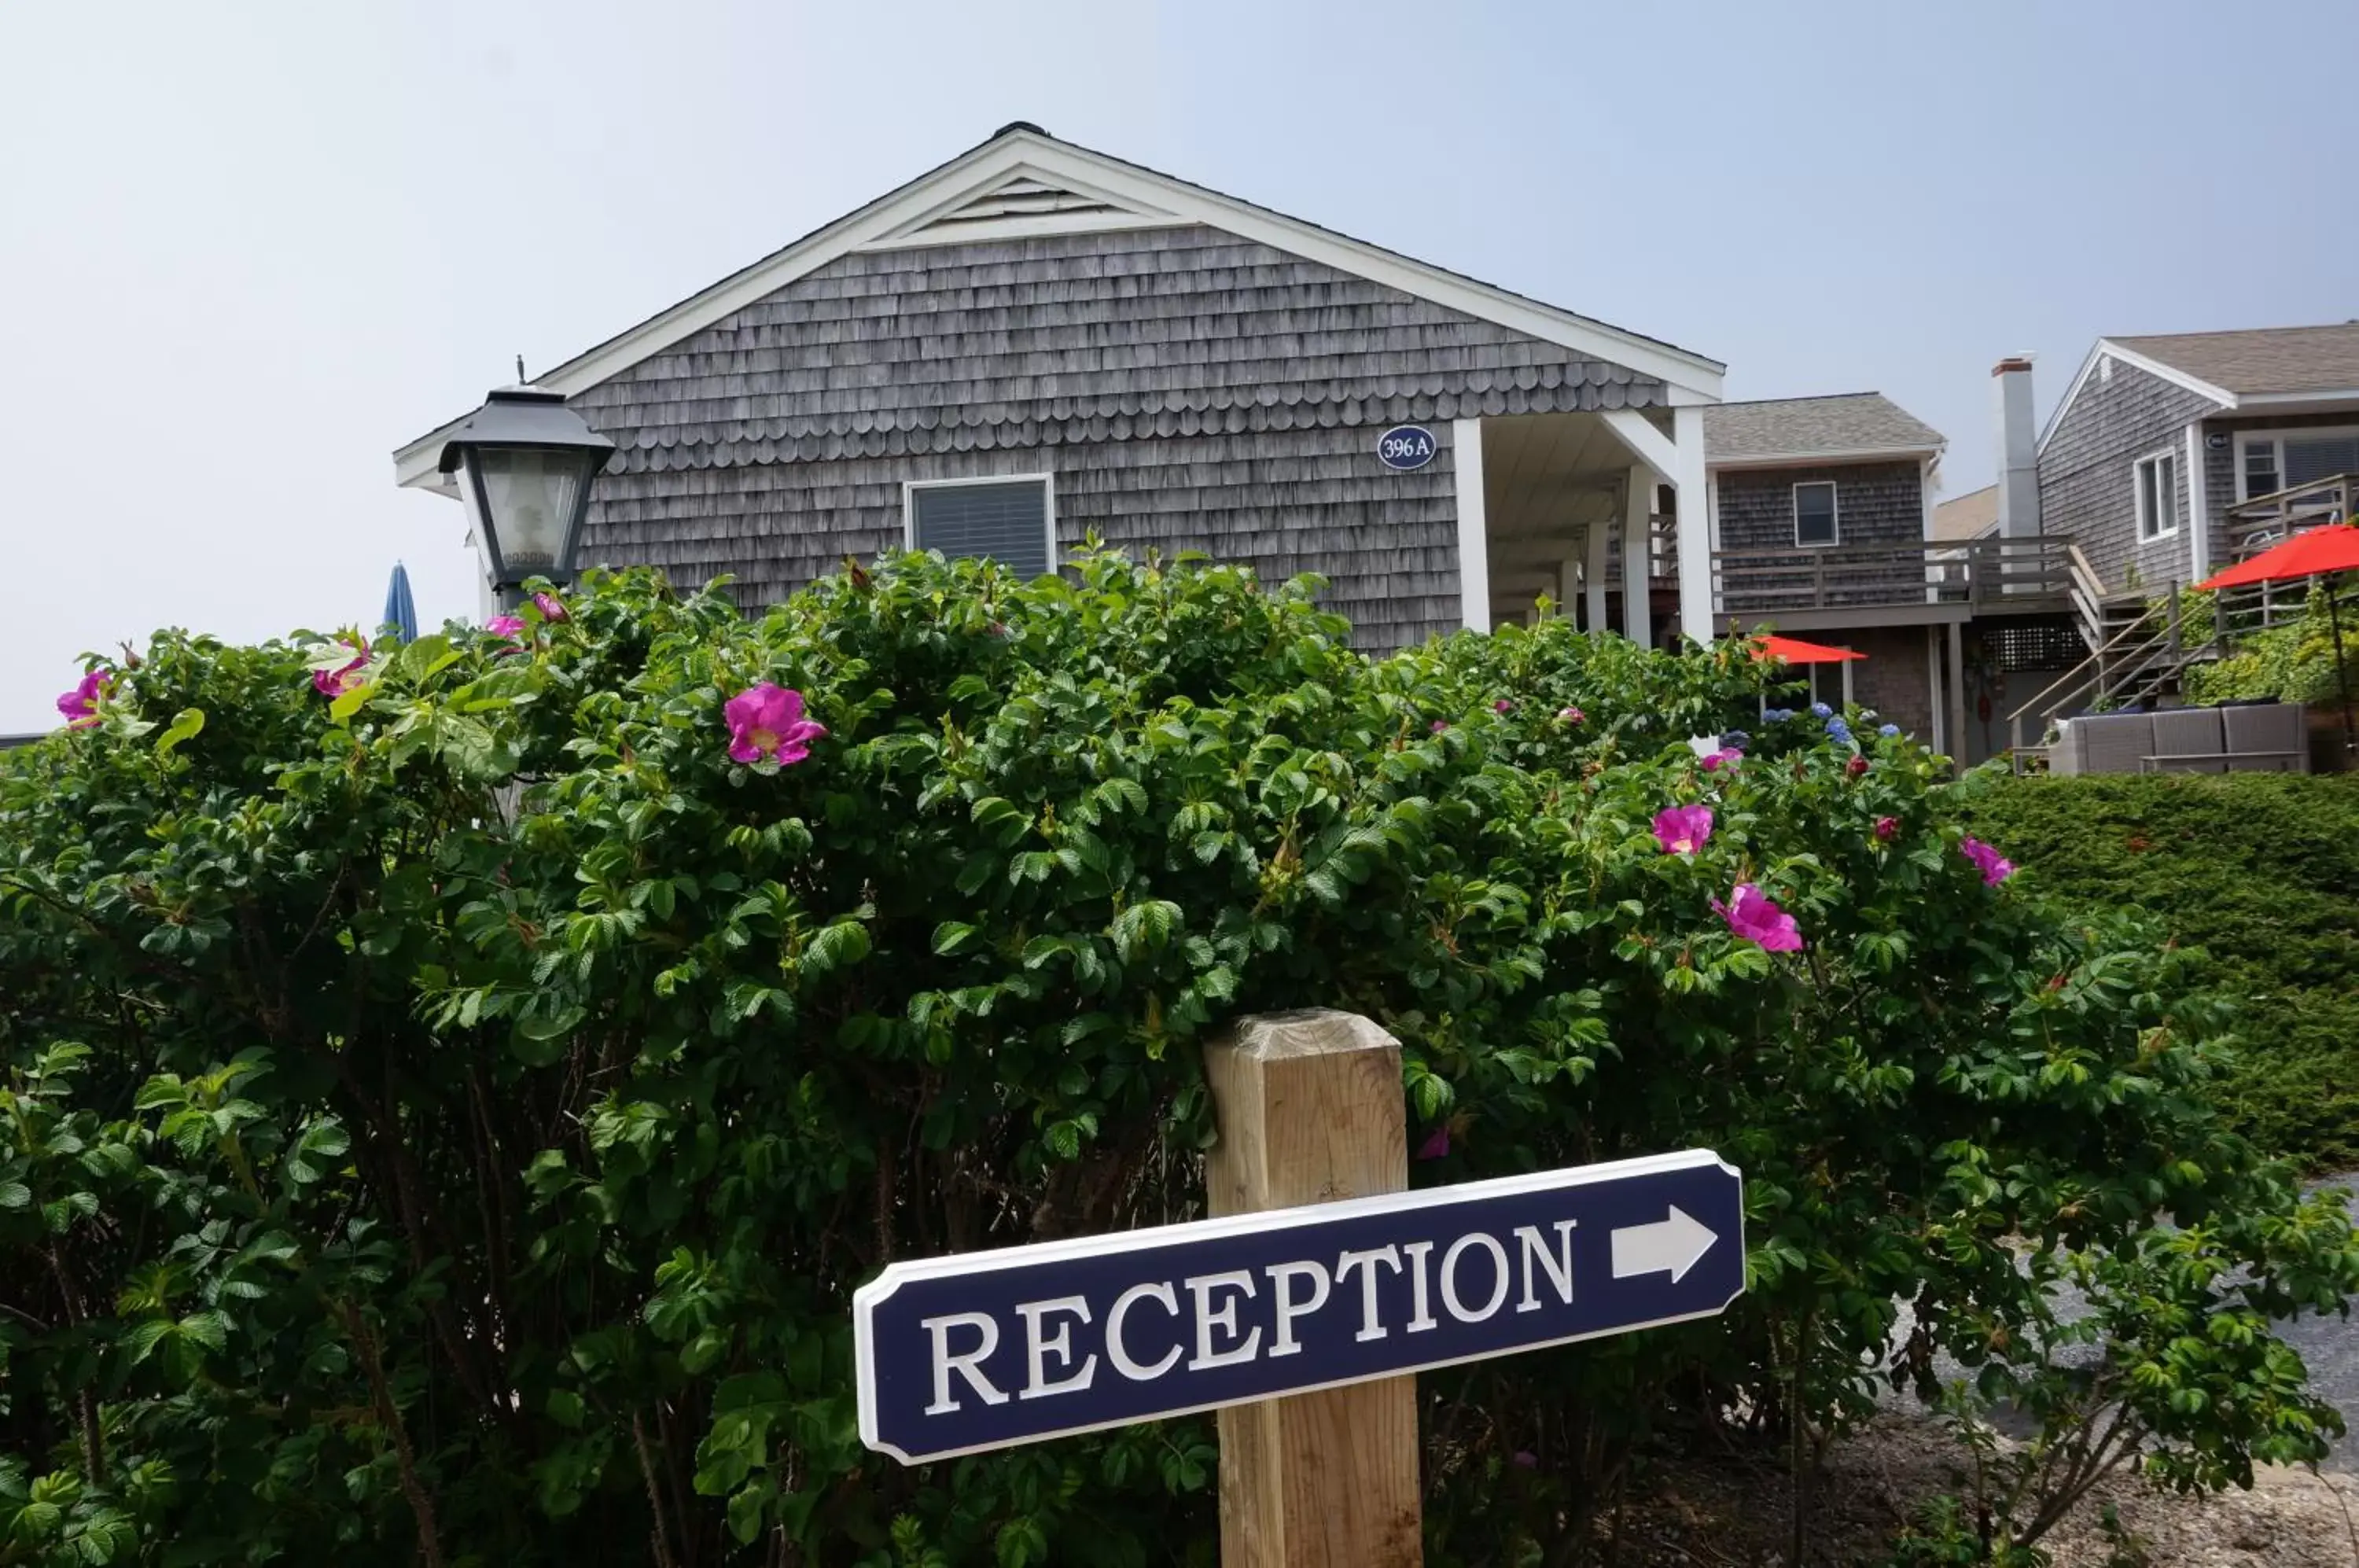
x,y
2140,649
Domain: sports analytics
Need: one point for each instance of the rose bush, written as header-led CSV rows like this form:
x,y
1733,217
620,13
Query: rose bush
x,y
449,1103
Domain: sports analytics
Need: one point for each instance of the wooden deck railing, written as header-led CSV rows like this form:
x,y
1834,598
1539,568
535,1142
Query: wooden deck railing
x,y
2029,573
2265,520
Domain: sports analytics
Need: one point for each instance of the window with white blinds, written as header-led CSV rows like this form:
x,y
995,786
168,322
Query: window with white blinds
x,y
2280,461
1005,520
2312,458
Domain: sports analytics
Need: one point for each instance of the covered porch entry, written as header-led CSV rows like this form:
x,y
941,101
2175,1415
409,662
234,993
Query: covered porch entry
x,y
1601,511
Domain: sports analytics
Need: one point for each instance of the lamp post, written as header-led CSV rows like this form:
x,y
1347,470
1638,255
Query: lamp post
x,y
524,463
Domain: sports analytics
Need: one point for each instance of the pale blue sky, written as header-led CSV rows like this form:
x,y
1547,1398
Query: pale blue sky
x,y
245,249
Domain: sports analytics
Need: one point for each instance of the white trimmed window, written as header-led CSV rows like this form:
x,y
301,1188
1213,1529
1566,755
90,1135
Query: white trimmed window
x,y
1815,522
1012,520
2158,497
2281,460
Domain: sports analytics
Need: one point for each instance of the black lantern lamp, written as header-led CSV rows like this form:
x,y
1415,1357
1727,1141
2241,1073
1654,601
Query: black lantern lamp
x,y
525,461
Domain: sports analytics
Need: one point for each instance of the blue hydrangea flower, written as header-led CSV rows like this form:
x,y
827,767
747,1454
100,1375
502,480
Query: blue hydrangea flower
x,y
1838,729
1735,740
1889,731
1775,715
1820,711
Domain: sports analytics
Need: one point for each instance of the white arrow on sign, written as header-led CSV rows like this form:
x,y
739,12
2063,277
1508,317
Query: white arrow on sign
x,y
1673,1246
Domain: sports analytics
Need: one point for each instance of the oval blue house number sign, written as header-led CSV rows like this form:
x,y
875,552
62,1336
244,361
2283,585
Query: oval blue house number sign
x,y
1406,447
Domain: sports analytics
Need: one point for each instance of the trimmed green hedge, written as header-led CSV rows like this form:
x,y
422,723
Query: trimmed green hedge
x,y
2260,870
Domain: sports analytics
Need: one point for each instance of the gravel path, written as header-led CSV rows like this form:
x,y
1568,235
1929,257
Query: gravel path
x,y
2330,1347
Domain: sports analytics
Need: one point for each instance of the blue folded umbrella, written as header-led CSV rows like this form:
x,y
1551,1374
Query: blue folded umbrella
x,y
400,609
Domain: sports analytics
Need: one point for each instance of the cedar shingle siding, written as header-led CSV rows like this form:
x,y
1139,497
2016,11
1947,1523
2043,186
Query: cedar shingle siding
x,y
1875,503
1186,389
2088,473
2219,475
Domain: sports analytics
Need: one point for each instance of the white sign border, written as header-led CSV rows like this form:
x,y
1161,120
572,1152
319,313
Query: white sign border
x,y
869,1297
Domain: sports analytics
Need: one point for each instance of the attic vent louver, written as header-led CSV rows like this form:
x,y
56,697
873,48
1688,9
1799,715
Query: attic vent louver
x,y
1022,198
1019,203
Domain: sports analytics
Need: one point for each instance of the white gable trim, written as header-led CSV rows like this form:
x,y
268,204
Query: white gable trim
x,y
898,218
1922,450
2154,368
1027,202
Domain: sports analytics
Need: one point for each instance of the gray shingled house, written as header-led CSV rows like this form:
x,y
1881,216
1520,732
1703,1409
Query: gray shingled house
x,y
2158,439
2166,458
1036,341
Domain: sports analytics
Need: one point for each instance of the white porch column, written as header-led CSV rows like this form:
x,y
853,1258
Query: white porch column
x,y
1568,583
1474,537
1601,539
1638,536
1687,478
1934,696
2199,507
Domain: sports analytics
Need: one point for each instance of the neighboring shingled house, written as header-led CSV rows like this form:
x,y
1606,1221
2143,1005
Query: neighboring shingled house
x,y
2157,437
1036,341
1820,508
1971,516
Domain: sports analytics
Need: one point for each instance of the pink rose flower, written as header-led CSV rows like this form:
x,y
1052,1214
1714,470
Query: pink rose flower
x,y
336,682
1995,867
1682,830
1440,725
1856,765
80,705
1435,1144
508,627
1755,916
767,721
1503,706
1726,757
1571,715
1886,829
551,608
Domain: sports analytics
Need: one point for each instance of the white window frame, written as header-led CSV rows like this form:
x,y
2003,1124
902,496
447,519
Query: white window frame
x,y
1834,508
1048,482
2276,438
2169,503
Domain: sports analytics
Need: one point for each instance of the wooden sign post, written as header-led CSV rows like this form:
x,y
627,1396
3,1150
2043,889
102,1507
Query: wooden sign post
x,y
1311,1111
1302,1309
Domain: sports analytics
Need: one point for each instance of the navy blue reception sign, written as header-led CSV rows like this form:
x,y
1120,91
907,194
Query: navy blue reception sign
x,y
1406,447
958,1355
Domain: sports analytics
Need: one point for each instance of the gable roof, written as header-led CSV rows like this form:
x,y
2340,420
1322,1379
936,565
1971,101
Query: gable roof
x,y
2261,367
1967,517
1024,181
2262,362
1847,426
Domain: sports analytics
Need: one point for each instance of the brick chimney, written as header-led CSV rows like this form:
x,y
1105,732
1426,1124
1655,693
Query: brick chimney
x,y
2019,449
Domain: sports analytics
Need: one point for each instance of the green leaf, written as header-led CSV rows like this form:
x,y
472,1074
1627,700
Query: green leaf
x,y
423,657
186,725
838,946
350,701
209,1329
951,935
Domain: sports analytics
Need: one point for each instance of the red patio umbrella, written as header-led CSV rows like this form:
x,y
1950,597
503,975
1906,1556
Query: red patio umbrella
x,y
2313,552
1794,650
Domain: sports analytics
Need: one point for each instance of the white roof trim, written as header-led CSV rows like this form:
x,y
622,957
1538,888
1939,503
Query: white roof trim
x,y
1144,198
2152,366
2294,399
1029,200
1804,459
